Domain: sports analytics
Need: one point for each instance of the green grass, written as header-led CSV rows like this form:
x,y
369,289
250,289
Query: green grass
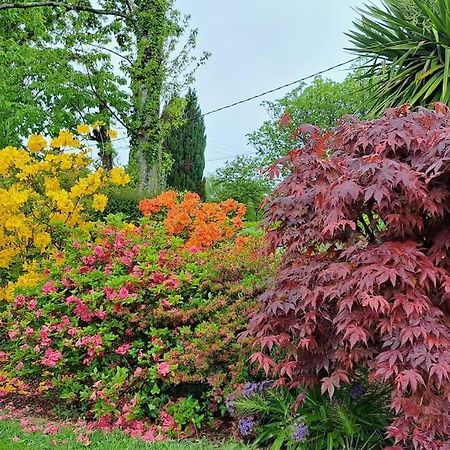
x,y
13,438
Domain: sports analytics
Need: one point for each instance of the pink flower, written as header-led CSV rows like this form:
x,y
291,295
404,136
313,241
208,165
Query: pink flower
x,y
195,249
163,369
100,314
3,356
19,366
80,310
38,313
13,334
29,331
51,429
76,245
89,260
19,301
48,287
51,358
123,349
124,293
32,304
98,251
172,283
72,331
138,371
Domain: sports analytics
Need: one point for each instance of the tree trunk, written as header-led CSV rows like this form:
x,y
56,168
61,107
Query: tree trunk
x,y
147,76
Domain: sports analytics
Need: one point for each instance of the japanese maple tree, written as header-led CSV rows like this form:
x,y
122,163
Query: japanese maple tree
x,y
363,223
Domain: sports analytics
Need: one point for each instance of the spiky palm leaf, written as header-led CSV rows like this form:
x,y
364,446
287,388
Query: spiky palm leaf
x,y
406,46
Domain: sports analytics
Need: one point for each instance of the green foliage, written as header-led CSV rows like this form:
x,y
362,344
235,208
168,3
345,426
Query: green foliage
x,y
242,180
405,46
53,75
322,103
123,200
187,412
186,144
305,419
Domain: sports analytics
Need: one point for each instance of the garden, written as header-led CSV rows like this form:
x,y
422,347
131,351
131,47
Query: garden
x,y
296,299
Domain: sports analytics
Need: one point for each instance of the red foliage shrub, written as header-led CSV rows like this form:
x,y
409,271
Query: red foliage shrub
x,y
363,221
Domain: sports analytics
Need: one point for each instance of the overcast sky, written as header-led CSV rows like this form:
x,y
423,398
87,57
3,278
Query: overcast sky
x,y
257,45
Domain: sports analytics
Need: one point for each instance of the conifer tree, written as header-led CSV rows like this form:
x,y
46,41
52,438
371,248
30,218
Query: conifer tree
x,y
187,144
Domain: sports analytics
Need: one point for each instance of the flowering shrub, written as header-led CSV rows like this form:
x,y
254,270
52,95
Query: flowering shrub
x,y
44,190
138,324
364,223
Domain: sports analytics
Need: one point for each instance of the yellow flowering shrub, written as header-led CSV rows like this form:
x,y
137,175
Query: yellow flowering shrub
x,y
45,187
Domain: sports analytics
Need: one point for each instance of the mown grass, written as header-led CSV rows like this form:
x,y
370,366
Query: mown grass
x,y
13,438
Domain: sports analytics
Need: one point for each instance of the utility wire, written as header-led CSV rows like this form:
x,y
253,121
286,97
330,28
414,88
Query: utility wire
x,y
240,102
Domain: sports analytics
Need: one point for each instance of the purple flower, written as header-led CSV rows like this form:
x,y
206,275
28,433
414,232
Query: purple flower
x,y
250,389
357,391
246,426
300,432
229,403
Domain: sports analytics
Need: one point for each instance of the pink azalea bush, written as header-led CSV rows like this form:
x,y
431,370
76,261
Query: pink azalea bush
x,y
129,324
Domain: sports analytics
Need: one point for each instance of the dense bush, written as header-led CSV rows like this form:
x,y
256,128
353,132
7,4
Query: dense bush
x,y
43,193
122,200
140,321
364,222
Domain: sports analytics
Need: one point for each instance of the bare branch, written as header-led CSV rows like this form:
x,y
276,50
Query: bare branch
x,y
56,4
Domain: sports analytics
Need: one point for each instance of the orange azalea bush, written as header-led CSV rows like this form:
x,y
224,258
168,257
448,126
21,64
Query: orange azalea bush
x,y
45,188
203,223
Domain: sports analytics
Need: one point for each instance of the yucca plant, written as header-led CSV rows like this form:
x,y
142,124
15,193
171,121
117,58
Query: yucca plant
x,y
406,48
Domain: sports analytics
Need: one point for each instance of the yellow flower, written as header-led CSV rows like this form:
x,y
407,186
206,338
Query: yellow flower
x,y
83,129
42,240
99,202
113,134
119,177
36,143
65,139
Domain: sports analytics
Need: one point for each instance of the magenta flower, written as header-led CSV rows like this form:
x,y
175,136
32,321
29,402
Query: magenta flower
x,y
13,334
123,349
51,358
48,287
163,369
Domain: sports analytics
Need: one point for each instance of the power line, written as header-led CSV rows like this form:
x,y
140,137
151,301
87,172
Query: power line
x,y
240,102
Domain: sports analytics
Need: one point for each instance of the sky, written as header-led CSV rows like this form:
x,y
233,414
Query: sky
x,y
257,45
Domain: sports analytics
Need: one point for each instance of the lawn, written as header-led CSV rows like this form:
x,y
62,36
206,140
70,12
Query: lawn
x,y
13,438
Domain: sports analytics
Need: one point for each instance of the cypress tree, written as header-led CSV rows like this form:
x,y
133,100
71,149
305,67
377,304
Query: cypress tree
x,y
187,145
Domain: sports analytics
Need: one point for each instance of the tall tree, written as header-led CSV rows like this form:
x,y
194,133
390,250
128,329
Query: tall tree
x,y
187,145
406,45
111,59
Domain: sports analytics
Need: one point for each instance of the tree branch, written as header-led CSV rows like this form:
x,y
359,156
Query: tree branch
x,y
56,4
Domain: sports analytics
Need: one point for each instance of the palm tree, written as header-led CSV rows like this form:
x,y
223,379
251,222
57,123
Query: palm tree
x,y
406,48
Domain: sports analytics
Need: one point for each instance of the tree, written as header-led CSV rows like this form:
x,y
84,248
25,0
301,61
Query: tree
x,y
140,34
363,226
320,103
50,81
406,47
186,144
242,180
